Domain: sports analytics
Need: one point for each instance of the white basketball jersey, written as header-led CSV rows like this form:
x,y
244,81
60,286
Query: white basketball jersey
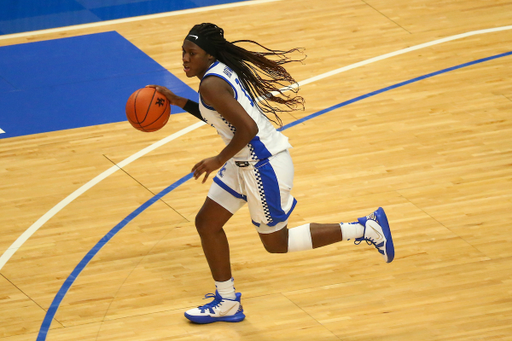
x,y
266,143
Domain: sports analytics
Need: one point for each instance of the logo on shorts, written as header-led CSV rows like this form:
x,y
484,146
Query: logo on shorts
x,y
221,171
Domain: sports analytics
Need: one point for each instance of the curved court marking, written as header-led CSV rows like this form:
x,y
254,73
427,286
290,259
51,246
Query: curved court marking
x,y
132,19
399,52
32,229
52,310
48,215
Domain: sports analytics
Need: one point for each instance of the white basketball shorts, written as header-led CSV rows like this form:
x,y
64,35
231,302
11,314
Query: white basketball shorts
x,y
265,186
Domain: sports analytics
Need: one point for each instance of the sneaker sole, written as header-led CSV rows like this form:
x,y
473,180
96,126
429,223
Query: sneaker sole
x,y
383,222
238,317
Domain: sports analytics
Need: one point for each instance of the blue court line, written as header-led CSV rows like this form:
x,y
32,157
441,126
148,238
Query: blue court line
x,y
417,79
50,314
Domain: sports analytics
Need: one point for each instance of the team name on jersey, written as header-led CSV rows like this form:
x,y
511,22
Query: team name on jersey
x,y
228,72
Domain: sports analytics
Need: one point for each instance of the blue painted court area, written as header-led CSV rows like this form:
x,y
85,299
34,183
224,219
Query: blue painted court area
x,y
30,15
74,82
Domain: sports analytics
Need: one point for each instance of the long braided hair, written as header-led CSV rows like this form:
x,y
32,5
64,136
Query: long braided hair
x,y
261,73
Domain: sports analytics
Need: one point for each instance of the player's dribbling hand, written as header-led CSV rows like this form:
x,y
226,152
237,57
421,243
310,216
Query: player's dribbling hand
x,y
171,96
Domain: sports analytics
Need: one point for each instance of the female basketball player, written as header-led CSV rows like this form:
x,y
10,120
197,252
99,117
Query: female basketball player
x,y
238,87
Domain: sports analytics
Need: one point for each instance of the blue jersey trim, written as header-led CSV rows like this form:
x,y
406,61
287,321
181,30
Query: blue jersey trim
x,y
221,77
228,189
259,149
225,79
215,63
204,104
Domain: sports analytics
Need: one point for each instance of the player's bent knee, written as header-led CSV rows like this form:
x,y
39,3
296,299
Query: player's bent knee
x,y
202,225
276,242
211,218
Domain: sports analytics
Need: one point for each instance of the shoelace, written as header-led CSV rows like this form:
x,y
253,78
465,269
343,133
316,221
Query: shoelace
x,y
216,301
369,241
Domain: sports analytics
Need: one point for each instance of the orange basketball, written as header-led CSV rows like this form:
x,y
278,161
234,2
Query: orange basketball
x,y
148,110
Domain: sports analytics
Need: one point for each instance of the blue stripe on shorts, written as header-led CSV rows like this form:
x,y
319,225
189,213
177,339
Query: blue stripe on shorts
x,y
271,194
228,189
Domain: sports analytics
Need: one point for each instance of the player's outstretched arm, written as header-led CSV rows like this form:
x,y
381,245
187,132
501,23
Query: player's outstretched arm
x,y
182,102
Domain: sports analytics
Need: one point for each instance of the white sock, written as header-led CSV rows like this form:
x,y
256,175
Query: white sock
x,y
351,230
226,289
299,238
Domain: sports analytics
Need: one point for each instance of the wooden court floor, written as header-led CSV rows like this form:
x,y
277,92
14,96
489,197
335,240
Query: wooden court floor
x,y
436,153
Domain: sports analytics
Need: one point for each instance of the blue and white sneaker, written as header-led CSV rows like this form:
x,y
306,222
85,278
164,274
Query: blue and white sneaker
x,y
220,309
377,232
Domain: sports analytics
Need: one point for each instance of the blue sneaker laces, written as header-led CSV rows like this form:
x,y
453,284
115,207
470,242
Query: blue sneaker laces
x,y
217,299
370,241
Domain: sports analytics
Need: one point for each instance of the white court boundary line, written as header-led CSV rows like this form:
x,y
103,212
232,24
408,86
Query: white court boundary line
x,y
47,216
138,18
399,52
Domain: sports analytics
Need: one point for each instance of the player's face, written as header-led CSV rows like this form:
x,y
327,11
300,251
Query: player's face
x,y
195,60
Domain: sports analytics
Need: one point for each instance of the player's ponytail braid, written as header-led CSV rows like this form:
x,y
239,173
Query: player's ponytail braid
x,y
261,73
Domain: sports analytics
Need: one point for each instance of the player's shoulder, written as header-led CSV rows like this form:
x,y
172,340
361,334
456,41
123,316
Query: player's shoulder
x,y
221,70
212,87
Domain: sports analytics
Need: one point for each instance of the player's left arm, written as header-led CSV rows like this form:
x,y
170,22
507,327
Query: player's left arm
x,y
219,94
